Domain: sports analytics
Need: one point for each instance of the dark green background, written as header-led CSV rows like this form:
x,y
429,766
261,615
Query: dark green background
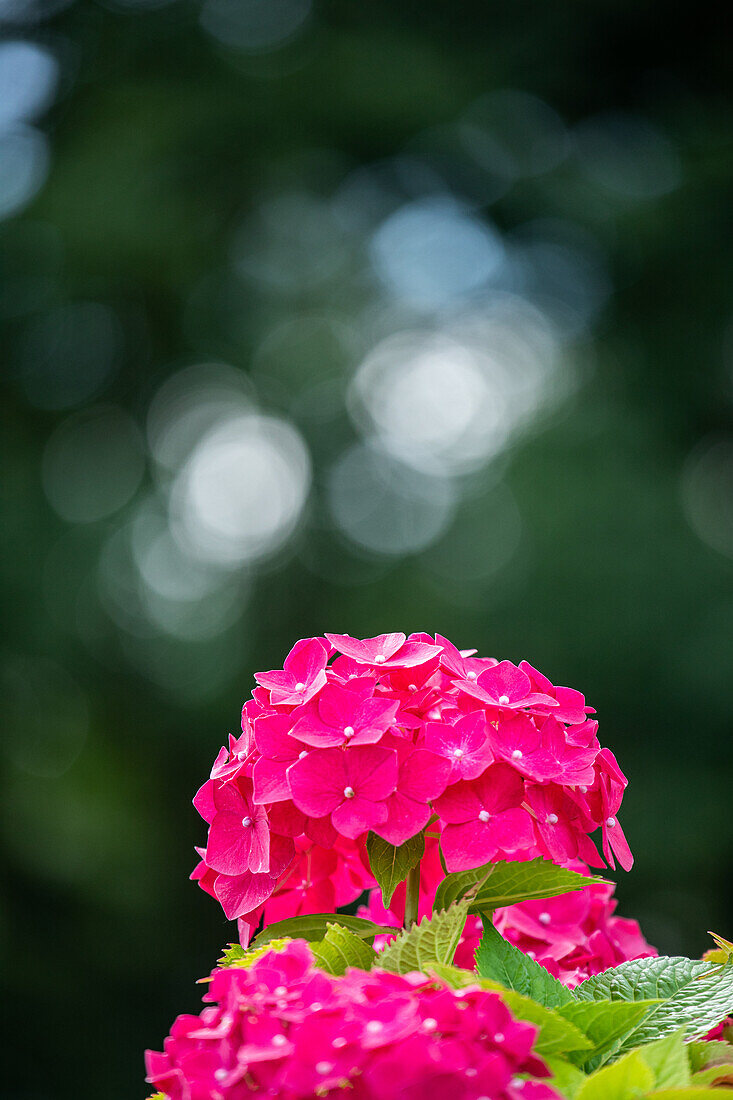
x,y
163,142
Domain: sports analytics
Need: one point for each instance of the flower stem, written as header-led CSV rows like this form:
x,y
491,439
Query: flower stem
x,y
412,894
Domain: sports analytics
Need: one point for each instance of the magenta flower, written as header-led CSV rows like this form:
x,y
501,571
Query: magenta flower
x,y
346,716
464,744
387,651
390,734
283,1029
302,677
484,817
278,751
349,785
504,685
239,836
422,777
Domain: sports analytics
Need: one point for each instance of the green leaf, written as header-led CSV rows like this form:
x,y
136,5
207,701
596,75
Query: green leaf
x,y
235,955
626,1079
341,949
691,994
692,1093
433,940
566,1078
509,882
715,1075
391,866
667,1059
313,926
502,962
705,1053
606,1024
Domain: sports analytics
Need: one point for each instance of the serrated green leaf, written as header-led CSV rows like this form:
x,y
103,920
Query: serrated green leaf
x,y
691,995
626,1079
566,1078
433,940
341,949
390,865
242,958
667,1059
509,882
708,1052
500,961
606,1024
312,926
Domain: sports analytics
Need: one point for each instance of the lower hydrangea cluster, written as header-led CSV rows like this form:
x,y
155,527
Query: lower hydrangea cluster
x,y
282,1028
573,935
389,735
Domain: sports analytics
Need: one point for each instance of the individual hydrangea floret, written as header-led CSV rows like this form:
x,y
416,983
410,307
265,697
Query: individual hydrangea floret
x,y
391,735
283,1029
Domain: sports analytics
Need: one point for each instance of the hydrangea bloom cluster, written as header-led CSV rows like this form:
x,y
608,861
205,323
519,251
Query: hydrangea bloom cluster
x,y
284,1029
573,935
389,734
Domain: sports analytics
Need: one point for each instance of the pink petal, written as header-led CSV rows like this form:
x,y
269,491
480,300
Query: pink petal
x,y
505,679
468,845
412,654
512,830
272,737
423,776
405,818
234,848
459,803
356,816
371,770
203,800
306,660
242,893
499,788
270,781
619,846
317,782
367,650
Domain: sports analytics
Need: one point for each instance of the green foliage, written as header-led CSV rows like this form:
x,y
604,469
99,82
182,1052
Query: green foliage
x,y
668,1061
606,1024
390,865
502,962
242,957
341,949
704,1053
431,941
506,883
629,1077
691,995
313,926
566,1077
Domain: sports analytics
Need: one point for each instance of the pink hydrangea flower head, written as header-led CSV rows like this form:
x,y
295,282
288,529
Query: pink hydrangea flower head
x,y
281,1028
394,735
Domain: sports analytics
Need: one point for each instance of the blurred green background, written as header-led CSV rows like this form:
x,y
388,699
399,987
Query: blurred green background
x,y
350,317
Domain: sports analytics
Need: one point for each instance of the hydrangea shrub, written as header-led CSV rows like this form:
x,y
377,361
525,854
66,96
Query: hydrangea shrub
x,y
462,801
